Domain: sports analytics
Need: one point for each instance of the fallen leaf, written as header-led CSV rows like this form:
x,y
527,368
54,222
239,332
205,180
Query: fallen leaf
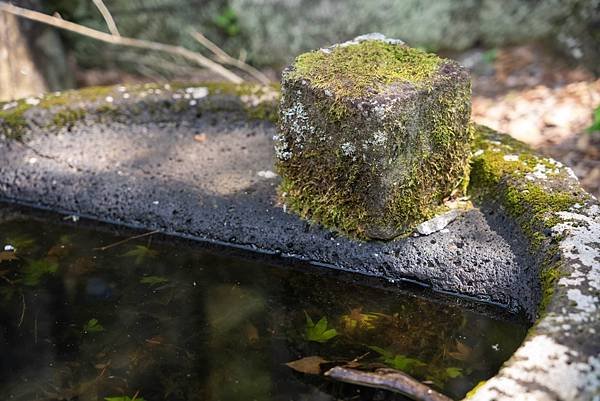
x,y
462,353
310,365
251,333
155,341
7,256
200,138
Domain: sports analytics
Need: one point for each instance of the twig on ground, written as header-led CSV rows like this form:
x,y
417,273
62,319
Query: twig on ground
x,y
387,379
121,40
110,22
104,248
225,58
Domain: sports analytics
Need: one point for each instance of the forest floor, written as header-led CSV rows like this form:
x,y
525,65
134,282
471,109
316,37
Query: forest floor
x,y
541,100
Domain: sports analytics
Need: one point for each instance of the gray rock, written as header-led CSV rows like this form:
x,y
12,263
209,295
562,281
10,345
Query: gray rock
x,y
437,223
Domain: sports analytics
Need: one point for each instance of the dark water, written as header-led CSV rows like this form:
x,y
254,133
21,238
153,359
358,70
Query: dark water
x,y
172,321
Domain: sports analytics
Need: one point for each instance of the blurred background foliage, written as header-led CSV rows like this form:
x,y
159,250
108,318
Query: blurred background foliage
x,y
271,32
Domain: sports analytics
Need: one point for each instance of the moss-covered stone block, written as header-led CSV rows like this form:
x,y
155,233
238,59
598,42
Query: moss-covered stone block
x,y
374,135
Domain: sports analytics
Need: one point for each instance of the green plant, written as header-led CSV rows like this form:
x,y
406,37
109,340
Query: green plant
x,y
489,56
228,21
596,121
140,253
93,326
319,332
398,361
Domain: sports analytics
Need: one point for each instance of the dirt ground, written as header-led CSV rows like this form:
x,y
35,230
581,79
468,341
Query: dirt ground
x,y
539,99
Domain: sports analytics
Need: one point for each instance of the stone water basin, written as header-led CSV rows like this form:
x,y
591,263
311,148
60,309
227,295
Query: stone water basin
x,y
196,161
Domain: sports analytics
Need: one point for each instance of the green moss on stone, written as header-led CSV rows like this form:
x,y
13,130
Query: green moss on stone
x,y
12,121
359,163
531,201
370,66
65,109
67,117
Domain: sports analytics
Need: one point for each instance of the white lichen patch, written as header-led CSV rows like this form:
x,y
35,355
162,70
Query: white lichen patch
x,y
541,171
197,92
362,38
582,244
543,369
348,149
511,158
10,105
296,118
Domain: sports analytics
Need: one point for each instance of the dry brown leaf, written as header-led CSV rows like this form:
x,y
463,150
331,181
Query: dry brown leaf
x,y
310,365
7,256
462,353
251,333
200,138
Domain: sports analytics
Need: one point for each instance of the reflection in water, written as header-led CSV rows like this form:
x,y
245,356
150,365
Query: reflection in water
x,y
164,322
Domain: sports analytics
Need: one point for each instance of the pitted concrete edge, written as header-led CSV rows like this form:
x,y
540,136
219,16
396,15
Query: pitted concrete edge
x,y
559,359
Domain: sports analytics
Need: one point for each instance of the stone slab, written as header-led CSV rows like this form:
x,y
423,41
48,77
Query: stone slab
x,y
156,175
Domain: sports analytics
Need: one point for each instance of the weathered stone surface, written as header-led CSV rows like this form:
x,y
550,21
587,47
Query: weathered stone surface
x,y
533,234
373,135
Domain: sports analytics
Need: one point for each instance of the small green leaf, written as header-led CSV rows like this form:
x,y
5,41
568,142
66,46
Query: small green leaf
x,y
595,121
140,253
319,332
92,326
454,372
154,280
399,361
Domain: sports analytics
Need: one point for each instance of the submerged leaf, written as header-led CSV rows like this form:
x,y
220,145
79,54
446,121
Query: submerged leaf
x,y
310,365
93,326
454,372
36,269
398,361
356,319
154,280
319,332
462,353
6,256
140,253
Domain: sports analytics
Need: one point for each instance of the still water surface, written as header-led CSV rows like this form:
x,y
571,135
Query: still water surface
x,y
158,320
